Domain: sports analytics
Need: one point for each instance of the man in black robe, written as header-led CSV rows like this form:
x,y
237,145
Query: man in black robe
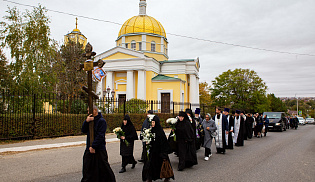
x,y
95,160
230,119
146,124
239,127
249,125
246,123
222,130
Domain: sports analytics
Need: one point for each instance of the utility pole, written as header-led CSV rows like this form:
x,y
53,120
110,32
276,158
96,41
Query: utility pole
x,y
297,105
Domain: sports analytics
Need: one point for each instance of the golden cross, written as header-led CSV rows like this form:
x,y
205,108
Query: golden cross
x,y
76,23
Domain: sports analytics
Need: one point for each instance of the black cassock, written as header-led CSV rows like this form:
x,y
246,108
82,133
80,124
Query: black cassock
x,y
126,151
249,126
159,151
185,137
240,138
230,137
95,165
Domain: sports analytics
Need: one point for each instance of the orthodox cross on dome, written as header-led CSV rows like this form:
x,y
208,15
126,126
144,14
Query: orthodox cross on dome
x,y
76,23
142,7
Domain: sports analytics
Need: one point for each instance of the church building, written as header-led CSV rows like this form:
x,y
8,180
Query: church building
x,y
139,66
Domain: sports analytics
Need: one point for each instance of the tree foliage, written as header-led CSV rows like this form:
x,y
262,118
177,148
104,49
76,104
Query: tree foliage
x,y
70,80
27,35
204,93
240,89
276,104
5,76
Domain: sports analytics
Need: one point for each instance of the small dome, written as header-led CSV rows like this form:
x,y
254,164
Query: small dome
x,y
142,24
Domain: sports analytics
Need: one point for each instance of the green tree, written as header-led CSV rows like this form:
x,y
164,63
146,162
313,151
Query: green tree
x,y
275,104
204,93
27,35
240,89
70,80
5,76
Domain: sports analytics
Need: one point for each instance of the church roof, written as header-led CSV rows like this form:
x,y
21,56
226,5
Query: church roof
x,y
177,60
161,77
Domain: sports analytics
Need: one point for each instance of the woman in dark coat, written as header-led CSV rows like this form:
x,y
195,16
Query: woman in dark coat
x,y
126,151
158,152
185,137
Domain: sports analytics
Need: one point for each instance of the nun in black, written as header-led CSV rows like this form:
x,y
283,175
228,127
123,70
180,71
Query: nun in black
x,y
126,150
185,137
158,152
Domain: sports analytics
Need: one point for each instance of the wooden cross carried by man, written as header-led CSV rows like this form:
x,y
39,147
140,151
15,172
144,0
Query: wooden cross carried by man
x,y
89,66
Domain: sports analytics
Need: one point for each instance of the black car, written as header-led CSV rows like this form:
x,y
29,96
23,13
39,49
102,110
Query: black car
x,y
277,121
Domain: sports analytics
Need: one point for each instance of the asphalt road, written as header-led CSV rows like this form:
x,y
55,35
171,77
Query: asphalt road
x,y
281,156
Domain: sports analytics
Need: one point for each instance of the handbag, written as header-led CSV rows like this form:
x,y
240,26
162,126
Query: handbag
x,y
166,170
213,134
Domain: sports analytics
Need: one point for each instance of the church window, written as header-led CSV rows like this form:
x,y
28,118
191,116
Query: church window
x,y
126,45
153,46
133,45
140,46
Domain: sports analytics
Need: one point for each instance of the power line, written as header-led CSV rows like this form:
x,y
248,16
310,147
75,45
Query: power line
x,y
173,34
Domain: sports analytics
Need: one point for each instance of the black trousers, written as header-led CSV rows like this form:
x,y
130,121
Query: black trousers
x,y
96,167
144,151
207,152
128,160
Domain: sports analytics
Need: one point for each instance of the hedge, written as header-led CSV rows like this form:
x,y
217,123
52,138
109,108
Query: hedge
x,y
51,125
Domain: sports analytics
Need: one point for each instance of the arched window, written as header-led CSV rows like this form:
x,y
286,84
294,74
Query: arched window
x,y
152,46
133,45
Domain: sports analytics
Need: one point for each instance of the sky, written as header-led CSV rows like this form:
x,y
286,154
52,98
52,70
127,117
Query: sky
x,y
279,25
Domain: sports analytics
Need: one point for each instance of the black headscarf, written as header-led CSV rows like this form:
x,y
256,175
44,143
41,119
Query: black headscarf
x,y
129,129
189,111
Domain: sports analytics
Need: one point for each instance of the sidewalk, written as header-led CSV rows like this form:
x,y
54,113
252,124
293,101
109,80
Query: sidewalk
x,y
54,143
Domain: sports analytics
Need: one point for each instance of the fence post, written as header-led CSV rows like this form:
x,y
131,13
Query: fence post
x,y
173,109
152,105
34,120
189,105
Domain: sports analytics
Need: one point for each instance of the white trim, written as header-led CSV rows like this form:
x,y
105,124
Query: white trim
x,y
120,83
144,40
182,99
159,92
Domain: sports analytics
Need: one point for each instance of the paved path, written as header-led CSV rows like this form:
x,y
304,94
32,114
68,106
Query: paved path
x,y
286,156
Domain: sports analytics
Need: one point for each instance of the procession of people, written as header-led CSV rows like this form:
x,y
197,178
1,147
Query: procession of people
x,y
189,133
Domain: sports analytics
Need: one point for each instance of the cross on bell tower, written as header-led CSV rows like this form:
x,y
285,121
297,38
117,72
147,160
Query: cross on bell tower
x,y
142,7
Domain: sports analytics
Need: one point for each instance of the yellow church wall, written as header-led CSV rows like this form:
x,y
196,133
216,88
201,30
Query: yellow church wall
x,y
121,87
119,55
175,86
137,38
149,76
157,41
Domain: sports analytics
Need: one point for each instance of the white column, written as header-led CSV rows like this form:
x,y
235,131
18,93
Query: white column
x,y
197,83
130,85
109,81
141,85
192,90
162,45
144,42
99,88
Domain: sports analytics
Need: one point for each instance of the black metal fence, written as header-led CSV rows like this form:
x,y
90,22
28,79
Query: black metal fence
x,y
24,115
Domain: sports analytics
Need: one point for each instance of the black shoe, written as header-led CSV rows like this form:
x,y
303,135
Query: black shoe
x,y
179,169
141,160
123,169
133,165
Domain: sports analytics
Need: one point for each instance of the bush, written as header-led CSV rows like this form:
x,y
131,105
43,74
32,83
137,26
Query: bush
x,y
52,125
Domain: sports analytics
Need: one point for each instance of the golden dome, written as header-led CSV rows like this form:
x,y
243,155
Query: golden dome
x,y
142,24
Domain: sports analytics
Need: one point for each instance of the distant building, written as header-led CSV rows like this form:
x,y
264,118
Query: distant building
x,y
75,36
